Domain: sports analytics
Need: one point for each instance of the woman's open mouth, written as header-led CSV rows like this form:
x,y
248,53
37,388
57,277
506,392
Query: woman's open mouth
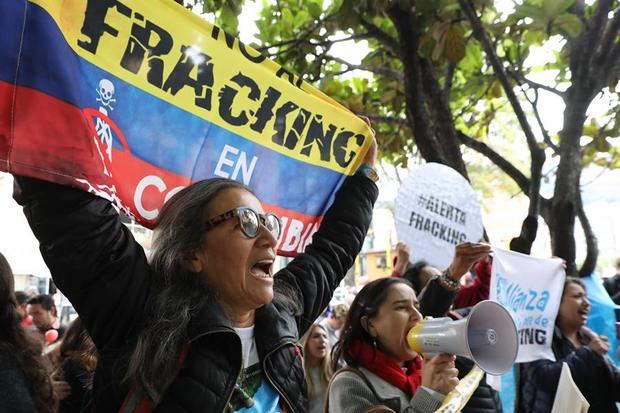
x,y
262,269
584,313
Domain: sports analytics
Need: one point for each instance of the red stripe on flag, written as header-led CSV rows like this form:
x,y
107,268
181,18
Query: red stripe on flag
x,y
48,133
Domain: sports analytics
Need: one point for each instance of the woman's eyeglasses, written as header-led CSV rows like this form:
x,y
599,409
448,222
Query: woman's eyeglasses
x,y
249,221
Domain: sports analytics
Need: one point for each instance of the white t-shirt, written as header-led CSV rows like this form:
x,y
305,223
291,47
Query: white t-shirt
x,y
252,387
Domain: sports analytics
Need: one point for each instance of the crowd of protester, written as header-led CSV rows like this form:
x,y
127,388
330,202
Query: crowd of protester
x,y
354,356
206,325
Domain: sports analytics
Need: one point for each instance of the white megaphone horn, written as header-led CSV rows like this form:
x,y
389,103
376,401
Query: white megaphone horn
x,y
488,336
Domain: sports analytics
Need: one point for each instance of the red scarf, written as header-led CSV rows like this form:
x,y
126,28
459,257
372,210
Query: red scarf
x,y
407,378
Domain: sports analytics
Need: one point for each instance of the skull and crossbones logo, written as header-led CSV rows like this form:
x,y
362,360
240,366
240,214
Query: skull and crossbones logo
x,y
106,93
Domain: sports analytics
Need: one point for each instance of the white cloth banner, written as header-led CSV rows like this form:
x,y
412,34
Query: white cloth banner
x,y
531,290
435,210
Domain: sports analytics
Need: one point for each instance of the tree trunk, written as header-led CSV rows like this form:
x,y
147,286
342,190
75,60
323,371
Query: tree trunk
x,y
417,114
564,205
439,108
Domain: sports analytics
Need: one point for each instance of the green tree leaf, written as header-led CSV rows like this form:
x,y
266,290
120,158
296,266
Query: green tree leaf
x,y
315,10
553,8
567,24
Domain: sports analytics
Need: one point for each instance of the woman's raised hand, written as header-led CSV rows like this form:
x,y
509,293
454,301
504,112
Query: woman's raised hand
x,y
402,258
600,344
465,255
439,373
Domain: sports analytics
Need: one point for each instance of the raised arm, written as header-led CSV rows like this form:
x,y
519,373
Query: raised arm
x,y
93,258
315,274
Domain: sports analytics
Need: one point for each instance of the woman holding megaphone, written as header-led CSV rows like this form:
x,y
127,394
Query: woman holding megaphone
x,y
383,372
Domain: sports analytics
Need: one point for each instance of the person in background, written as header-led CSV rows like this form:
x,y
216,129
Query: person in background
x,y
478,290
438,290
78,359
44,315
585,353
334,321
612,284
25,384
383,371
317,366
22,307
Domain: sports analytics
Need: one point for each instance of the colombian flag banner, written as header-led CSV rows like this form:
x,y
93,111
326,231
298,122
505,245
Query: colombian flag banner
x,y
134,99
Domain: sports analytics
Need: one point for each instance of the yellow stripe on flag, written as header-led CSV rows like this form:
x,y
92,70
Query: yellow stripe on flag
x,y
169,52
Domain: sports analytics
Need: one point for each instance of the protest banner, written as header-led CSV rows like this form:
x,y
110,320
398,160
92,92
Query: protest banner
x,y
135,99
435,210
530,289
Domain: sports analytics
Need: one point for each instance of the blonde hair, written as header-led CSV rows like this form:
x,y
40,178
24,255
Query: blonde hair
x,y
325,366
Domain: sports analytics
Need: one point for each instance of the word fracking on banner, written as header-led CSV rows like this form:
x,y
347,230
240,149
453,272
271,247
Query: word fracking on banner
x,y
435,210
531,290
135,99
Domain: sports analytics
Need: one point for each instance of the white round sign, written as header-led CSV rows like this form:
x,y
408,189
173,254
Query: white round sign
x,y
435,210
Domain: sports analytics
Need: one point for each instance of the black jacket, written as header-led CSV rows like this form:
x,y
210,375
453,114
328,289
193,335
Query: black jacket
x,y
435,300
97,264
596,376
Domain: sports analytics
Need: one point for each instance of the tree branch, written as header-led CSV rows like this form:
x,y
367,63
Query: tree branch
x,y
502,163
592,251
520,78
610,50
416,111
537,155
449,77
383,37
442,118
583,48
303,38
609,37
543,130
472,102
498,68
596,28
387,119
378,70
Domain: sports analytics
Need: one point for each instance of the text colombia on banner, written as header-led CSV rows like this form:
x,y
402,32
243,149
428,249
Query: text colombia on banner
x,y
135,99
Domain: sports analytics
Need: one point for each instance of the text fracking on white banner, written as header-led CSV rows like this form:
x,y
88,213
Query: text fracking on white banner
x,y
435,210
531,290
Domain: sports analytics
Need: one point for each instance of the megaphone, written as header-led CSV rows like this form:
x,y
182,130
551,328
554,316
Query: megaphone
x,y
488,336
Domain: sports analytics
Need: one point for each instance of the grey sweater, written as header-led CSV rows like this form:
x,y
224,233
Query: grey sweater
x,y
350,393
